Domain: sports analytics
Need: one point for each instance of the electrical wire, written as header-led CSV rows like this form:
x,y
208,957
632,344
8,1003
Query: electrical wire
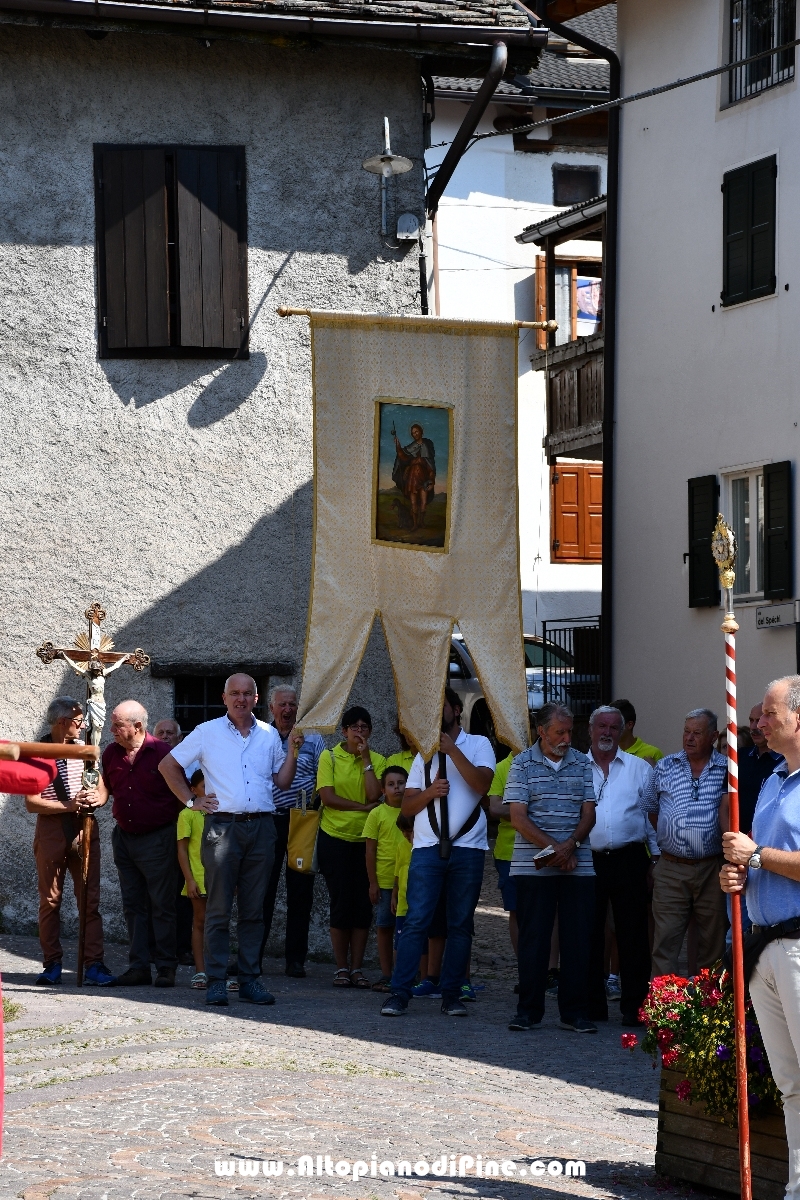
x,y
656,91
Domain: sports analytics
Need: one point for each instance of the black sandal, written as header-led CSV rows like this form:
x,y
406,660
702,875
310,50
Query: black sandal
x,y
342,978
359,980
382,985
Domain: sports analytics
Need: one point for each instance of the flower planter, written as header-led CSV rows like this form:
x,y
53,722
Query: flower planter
x,y
700,1149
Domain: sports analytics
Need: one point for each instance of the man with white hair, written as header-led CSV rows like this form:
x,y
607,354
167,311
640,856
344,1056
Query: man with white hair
x,y
282,702
551,805
168,730
682,800
623,847
768,866
143,842
242,761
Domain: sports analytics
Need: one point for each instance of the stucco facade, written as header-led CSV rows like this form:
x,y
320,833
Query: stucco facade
x,y
177,492
702,389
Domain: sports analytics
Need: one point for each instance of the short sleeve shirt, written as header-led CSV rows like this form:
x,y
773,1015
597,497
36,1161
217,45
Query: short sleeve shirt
x,y
461,799
344,772
553,799
143,800
504,843
191,823
402,862
238,770
403,758
381,826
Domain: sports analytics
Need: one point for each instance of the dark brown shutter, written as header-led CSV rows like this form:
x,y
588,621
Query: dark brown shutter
x,y
778,531
132,211
211,238
703,574
748,207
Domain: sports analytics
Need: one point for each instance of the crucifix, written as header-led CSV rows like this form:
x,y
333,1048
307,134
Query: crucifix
x,y
92,657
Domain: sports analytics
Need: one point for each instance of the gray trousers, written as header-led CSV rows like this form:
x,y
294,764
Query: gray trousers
x,y
236,855
147,866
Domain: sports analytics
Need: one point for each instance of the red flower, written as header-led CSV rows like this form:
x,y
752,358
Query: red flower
x,y
629,1041
669,1058
665,1038
684,1090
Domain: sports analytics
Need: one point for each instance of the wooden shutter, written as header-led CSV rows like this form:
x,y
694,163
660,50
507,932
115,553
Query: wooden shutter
x,y
748,205
540,300
703,574
762,227
778,531
211,244
577,512
132,243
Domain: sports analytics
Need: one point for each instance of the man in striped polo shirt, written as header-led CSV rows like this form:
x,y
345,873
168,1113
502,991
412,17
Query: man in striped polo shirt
x,y
57,849
551,805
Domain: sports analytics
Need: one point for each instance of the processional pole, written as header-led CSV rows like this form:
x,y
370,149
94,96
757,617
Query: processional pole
x,y
723,548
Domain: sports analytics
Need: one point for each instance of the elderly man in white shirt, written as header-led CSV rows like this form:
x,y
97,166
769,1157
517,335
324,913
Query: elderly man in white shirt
x,y
624,847
241,759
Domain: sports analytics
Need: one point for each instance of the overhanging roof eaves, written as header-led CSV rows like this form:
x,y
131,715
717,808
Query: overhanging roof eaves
x,y
412,33
571,218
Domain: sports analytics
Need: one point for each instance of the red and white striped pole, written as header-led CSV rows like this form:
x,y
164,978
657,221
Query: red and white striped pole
x,y
724,550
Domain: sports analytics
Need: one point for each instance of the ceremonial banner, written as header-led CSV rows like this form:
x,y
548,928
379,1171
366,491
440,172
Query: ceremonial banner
x,y
415,515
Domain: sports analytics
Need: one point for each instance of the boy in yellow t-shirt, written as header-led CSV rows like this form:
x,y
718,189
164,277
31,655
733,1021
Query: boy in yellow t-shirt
x,y
190,836
402,861
504,845
380,832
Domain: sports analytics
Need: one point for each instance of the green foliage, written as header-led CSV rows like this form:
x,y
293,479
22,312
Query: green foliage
x,y
11,1010
691,1024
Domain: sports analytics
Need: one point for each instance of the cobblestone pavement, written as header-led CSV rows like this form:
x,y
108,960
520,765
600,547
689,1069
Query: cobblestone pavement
x,y
138,1092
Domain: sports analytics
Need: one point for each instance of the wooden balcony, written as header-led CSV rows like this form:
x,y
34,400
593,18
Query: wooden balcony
x,y
574,398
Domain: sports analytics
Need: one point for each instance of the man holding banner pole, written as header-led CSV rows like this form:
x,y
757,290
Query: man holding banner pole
x,y
449,850
768,866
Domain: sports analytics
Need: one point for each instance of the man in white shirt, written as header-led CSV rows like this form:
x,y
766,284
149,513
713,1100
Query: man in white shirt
x,y
459,826
624,846
241,759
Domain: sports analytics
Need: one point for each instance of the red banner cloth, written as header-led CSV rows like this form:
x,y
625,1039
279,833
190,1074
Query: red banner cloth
x,y
28,777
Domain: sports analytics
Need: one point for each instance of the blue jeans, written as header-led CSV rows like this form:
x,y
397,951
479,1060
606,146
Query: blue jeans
x,y
461,876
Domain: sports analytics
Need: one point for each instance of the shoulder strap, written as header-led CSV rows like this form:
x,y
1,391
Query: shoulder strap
x,y
60,788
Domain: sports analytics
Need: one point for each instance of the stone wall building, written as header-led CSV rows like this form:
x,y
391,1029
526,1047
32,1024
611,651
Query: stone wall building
x,y
157,451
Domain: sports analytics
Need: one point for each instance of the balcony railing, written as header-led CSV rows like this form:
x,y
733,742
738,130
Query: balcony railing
x,y
756,26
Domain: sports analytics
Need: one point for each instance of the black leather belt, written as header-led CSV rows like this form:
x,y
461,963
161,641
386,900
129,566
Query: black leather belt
x,y
620,849
228,817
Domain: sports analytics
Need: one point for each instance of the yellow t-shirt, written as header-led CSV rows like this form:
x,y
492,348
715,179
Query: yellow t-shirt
x,y
504,845
403,758
344,772
191,823
643,750
402,861
381,824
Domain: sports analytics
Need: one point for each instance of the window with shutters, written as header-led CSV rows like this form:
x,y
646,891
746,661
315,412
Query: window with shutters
x,y
171,251
576,512
746,507
748,218
759,502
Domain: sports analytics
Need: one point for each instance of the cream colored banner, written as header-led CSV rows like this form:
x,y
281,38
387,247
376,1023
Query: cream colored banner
x,y
415,515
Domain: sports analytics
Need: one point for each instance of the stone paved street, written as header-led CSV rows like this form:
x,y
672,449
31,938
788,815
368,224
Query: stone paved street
x,y
137,1092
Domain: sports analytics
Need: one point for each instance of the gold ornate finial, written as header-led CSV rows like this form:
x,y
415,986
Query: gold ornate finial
x,y
723,548
138,660
95,613
47,653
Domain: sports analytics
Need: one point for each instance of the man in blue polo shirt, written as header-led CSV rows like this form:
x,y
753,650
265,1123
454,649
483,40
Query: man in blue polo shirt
x,y
768,866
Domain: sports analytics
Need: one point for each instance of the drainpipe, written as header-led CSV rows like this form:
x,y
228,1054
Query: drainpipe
x,y
468,126
610,335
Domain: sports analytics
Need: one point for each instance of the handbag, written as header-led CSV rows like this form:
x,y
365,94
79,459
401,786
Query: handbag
x,y
301,848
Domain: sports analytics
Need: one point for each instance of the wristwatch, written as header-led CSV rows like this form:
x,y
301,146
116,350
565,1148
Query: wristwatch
x,y
755,858
575,840
189,803
368,767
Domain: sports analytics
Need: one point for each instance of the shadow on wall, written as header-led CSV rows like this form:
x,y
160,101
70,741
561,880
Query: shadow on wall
x,y
143,381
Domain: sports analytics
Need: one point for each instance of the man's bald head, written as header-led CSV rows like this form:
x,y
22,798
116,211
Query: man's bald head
x,y
129,724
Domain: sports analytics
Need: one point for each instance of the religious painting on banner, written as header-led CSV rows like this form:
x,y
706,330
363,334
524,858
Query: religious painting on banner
x,y
411,473
415,515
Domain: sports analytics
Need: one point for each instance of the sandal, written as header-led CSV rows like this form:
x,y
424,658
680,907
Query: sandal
x,y
200,980
359,980
382,985
342,978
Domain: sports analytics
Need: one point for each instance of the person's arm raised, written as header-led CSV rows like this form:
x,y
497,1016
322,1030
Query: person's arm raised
x,y
738,848
284,778
477,778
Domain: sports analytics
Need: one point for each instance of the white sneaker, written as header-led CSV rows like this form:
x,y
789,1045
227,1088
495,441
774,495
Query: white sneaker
x,y
613,990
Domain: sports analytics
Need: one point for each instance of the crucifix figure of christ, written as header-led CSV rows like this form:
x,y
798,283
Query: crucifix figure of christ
x,y
93,657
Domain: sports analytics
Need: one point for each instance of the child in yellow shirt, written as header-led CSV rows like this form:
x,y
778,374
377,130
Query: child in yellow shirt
x,y
190,836
380,831
402,861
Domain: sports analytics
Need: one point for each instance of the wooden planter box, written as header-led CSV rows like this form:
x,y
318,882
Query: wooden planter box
x,y
701,1149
